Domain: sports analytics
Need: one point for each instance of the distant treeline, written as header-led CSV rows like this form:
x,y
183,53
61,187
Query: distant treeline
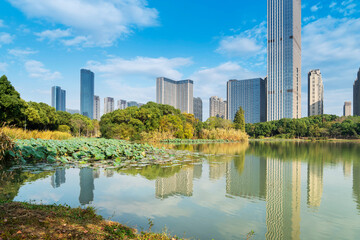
x,y
321,126
16,112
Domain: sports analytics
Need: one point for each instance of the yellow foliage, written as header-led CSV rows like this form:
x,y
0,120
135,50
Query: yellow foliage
x,y
18,133
156,136
224,134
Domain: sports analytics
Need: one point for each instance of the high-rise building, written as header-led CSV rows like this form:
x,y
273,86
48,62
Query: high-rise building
x,y
132,104
178,94
251,96
97,108
315,93
284,59
121,104
108,105
217,107
356,95
347,109
58,98
87,93
198,109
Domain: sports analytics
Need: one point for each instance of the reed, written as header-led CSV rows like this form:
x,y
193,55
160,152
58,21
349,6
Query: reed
x,y
232,135
156,136
18,133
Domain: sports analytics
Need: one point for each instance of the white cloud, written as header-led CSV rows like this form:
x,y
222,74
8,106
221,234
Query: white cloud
x,y
307,19
21,52
143,66
36,69
101,21
53,34
346,8
247,44
5,38
3,67
333,4
316,7
2,23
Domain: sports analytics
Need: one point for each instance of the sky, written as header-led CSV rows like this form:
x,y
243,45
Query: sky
x,y
128,43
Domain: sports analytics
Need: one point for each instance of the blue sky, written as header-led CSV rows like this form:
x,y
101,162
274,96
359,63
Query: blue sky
x,y
128,43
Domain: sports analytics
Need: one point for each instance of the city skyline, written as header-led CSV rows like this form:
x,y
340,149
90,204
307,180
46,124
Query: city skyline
x,y
37,56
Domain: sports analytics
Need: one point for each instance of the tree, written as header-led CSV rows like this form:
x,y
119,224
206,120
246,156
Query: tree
x,y
12,107
239,120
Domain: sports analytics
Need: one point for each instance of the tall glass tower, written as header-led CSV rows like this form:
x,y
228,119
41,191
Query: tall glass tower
x,y
356,96
284,59
58,98
87,93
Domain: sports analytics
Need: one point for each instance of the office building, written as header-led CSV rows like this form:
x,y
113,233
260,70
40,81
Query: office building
x,y
97,108
58,98
315,93
217,107
251,96
121,104
356,95
132,104
198,108
73,111
347,109
284,59
178,94
87,93
108,105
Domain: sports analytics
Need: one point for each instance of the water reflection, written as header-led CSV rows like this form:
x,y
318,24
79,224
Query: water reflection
x,y
87,185
356,183
58,178
314,183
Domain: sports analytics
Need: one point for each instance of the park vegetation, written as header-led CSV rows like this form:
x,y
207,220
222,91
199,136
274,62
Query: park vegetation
x,y
158,122
18,113
315,127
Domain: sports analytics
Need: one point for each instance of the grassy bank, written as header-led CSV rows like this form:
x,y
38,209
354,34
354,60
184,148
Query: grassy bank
x,y
30,221
18,133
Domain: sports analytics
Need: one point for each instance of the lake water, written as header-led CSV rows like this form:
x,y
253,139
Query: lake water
x,y
278,190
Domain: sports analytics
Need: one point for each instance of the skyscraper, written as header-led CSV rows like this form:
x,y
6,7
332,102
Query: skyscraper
x,y
87,93
198,108
178,94
284,59
121,104
315,93
217,107
108,105
58,98
97,108
356,95
347,109
251,96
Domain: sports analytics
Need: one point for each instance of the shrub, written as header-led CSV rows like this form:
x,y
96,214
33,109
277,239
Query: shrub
x,y
64,128
229,135
18,133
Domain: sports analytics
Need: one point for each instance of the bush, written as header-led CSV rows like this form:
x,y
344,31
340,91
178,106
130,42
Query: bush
x,y
18,133
64,128
223,134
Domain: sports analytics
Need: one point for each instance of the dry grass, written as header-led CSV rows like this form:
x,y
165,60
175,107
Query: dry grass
x,y
225,134
6,144
156,136
18,133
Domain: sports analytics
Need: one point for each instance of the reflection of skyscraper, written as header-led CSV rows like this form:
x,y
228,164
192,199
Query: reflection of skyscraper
x,y
315,184
109,173
197,171
86,186
283,195
356,183
180,183
217,170
246,177
96,173
347,168
58,178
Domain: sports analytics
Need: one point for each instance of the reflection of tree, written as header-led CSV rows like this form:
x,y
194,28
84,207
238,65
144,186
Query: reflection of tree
x,y
86,186
153,172
179,184
11,182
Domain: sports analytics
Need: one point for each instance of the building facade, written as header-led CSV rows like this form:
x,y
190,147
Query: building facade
x,y
97,108
284,59
178,94
87,93
315,93
58,98
217,107
132,104
121,104
347,109
198,109
108,105
356,96
251,96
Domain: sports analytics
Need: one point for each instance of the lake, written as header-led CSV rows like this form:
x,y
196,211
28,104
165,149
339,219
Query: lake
x,y
283,190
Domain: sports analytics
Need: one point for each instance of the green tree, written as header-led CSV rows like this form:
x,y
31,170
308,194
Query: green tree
x,y
239,120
